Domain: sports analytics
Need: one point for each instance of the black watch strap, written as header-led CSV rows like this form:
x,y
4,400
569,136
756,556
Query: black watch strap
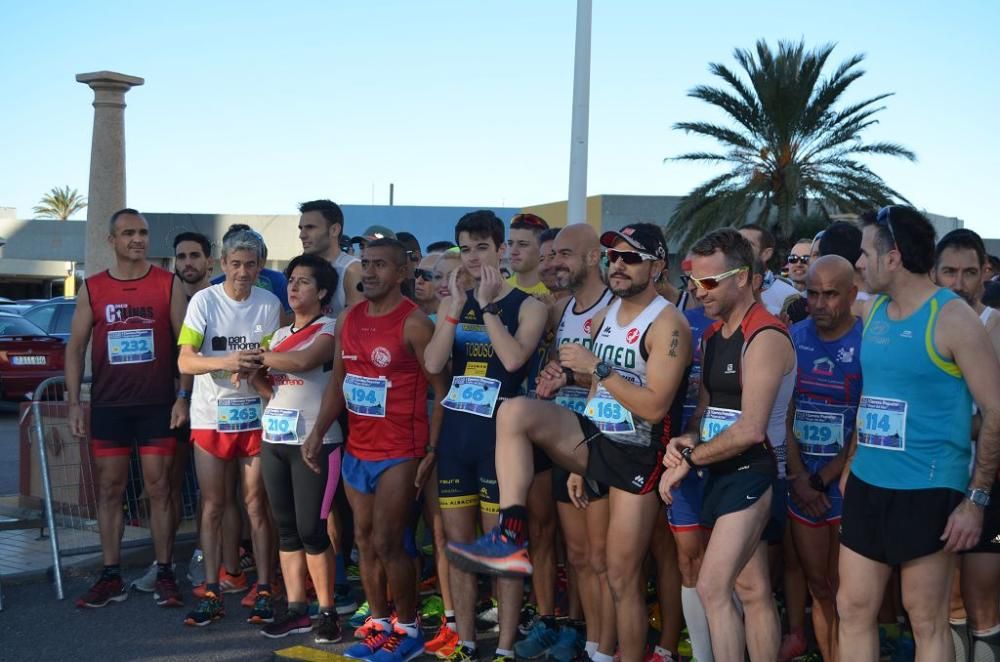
x,y
686,454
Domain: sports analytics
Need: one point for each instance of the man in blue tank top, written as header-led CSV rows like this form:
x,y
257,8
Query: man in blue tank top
x,y
821,421
908,497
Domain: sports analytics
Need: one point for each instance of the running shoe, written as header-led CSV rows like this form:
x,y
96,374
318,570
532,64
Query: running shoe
x,y
429,586
247,562
432,609
263,609
529,616
400,647
353,573
328,628
569,645
366,628
503,658
493,554
659,655
147,582
461,654
289,623
343,600
537,644
368,646
196,568
487,617
104,590
792,645
360,617
166,593
209,609
445,638
227,584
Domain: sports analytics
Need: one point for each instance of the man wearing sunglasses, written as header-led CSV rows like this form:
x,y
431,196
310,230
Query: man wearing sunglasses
x,y
424,284
908,497
748,364
638,365
776,293
798,263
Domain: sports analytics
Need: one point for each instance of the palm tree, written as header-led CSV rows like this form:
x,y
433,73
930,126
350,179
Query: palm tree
x,y
60,203
792,149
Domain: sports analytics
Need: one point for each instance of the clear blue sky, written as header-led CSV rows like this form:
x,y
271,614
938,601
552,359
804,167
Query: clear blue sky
x,y
251,107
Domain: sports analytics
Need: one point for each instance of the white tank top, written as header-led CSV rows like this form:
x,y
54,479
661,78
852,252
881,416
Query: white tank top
x,y
621,346
985,316
339,300
575,327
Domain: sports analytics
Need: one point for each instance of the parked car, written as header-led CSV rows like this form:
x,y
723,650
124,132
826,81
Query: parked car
x,y
54,317
28,356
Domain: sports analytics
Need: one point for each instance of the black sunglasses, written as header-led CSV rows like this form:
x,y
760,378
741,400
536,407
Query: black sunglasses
x,y
628,257
796,259
425,274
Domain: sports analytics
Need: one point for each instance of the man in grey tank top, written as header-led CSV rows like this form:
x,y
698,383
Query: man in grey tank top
x,y
320,227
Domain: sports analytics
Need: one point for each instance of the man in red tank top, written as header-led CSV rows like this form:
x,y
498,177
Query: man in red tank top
x,y
379,372
133,311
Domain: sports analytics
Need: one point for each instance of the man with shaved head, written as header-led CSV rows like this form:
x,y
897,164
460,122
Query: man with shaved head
x,y
821,421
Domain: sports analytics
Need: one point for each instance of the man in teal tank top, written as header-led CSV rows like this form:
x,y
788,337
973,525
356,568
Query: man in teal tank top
x,y
908,496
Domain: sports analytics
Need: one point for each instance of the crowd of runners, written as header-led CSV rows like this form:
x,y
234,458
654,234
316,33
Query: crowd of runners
x,y
557,439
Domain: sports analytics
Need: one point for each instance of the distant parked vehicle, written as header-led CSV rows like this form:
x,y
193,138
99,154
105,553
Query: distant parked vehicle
x,y
54,317
28,356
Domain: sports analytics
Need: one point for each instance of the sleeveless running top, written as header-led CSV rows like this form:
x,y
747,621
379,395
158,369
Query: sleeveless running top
x,y
575,326
699,323
984,316
132,354
914,427
339,300
384,386
722,374
827,388
623,346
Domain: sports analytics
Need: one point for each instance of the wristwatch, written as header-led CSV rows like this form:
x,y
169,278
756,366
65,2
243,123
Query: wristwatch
x,y
570,377
686,454
492,308
183,394
979,497
603,370
430,449
816,483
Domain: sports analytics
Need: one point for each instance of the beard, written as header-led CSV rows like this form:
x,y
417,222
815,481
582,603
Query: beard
x,y
190,279
630,291
569,279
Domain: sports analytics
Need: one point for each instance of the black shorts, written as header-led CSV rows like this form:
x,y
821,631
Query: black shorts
x,y
183,433
592,488
634,469
731,492
542,460
466,464
895,526
113,430
989,541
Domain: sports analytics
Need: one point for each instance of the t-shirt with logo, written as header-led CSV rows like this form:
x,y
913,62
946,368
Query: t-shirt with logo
x,y
216,325
292,411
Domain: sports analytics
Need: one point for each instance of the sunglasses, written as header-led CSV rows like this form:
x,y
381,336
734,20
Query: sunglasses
x,y
797,259
628,257
709,283
530,219
884,217
425,274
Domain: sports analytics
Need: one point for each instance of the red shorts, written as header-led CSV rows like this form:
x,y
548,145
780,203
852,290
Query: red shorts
x,y
228,445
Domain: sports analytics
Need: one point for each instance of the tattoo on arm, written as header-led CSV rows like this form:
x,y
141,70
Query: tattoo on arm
x,y
675,340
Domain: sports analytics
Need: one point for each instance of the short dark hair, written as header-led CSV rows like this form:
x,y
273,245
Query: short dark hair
x,y
408,240
767,239
909,232
529,221
440,246
324,273
481,224
329,209
841,238
962,238
994,262
397,247
206,245
128,211
548,235
735,247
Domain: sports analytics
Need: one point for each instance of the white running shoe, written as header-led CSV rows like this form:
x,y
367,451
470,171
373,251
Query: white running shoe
x,y
196,568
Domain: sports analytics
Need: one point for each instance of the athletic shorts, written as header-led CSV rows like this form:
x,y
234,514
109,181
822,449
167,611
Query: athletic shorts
x,y
466,465
989,541
560,492
684,513
895,526
634,469
113,430
228,445
831,517
728,493
363,475
774,531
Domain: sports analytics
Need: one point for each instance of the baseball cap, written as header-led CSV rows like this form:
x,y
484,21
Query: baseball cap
x,y
379,232
644,237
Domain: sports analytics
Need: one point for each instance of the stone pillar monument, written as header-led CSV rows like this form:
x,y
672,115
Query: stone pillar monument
x,y
107,161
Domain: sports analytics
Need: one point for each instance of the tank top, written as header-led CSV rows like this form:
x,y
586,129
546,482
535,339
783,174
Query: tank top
x,y
339,300
623,346
722,374
914,427
384,386
132,354
472,352
699,323
575,327
827,388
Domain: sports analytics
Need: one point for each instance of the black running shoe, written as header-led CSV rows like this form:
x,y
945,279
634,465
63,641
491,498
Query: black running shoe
x,y
209,609
328,628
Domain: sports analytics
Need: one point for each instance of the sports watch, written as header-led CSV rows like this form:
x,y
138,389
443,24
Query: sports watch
x,y
603,370
492,308
979,497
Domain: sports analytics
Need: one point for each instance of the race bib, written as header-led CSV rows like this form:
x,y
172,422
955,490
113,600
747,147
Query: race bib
x,y
366,396
715,420
608,414
473,395
281,425
882,423
131,346
238,414
819,432
573,398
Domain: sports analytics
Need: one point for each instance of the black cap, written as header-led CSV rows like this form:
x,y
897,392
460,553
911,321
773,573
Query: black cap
x,y
644,237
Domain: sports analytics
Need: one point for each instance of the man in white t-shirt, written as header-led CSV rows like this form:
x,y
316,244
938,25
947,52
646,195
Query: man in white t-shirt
x,y
320,227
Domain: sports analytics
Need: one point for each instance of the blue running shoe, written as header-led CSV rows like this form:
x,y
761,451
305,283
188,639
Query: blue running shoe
x,y
537,644
400,647
568,647
492,554
368,646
